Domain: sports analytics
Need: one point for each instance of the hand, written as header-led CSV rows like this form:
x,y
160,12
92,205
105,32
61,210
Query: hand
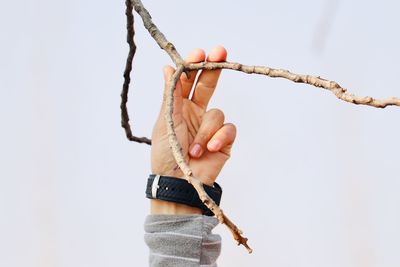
x,y
205,139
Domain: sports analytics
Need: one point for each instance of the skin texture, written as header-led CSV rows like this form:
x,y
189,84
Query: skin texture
x,y
205,137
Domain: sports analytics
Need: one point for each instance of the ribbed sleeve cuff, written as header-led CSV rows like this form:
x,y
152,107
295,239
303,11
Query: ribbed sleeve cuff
x,y
182,240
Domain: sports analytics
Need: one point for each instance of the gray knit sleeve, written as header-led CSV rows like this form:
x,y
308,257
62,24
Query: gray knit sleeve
x,y
182,240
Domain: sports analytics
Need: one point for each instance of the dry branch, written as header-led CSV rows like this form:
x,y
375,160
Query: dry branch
x,y
127,79
316,81
157,35
181,67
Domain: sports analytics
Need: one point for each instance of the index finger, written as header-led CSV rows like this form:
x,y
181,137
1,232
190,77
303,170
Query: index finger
x,y
208,79
197,55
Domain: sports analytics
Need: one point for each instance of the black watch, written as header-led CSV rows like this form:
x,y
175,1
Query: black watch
x,y
180,191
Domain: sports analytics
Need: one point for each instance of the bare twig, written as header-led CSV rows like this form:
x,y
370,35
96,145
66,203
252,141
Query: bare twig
x,y
156,33
332,86
127,78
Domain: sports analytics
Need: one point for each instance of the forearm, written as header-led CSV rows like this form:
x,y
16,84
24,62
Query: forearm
x,y
160,207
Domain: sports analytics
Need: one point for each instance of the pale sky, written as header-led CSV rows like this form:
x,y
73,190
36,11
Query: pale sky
x,y
312,181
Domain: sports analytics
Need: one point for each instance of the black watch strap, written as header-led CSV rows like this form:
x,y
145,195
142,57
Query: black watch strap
x,y
180,191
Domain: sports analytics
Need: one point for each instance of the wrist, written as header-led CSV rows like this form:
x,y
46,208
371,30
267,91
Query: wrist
x,y
171,208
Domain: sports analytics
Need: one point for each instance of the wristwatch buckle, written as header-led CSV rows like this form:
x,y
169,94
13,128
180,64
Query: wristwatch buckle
x,y
155,186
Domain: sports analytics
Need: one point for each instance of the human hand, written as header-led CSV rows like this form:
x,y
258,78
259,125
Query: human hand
x,y
205,139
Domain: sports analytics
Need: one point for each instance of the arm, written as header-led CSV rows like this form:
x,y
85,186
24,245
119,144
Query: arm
x,y
178,235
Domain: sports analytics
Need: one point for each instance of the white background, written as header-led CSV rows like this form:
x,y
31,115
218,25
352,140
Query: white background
x,y
313,181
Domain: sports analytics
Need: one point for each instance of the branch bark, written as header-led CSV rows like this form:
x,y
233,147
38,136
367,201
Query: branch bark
x,y
157,35
127,79
316,81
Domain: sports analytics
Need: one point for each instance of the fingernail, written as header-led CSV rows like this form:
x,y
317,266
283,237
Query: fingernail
x,y
214,145
196,150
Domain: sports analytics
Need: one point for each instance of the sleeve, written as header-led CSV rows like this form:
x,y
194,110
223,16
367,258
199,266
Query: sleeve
x,y
182,240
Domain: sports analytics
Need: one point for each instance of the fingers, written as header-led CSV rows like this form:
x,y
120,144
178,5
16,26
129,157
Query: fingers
x,y
212,121
213,135
208,79
223,139
197,55
178,101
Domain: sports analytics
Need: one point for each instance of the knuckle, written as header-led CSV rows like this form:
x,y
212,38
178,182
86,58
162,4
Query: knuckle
x,y
202,137
215,114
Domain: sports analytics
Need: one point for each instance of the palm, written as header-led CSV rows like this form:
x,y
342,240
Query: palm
x,y
194,127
